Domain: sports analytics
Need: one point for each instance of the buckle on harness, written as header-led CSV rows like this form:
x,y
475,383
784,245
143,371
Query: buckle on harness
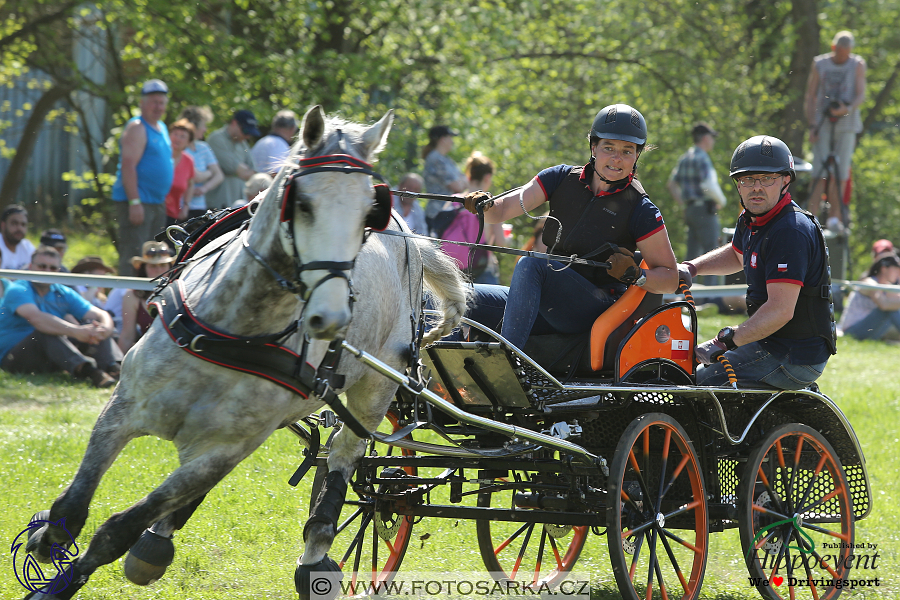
x,y
193,344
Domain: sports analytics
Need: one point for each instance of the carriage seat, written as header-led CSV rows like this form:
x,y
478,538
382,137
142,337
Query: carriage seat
x,y
593,353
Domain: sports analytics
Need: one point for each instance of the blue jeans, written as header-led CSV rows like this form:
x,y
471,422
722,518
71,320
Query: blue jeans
x,y
874,325
546,298
754,365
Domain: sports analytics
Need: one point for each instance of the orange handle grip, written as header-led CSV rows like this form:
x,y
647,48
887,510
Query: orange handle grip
x,y
683,288
729,370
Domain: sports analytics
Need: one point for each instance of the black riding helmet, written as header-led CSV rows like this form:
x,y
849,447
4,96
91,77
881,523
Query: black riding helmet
x,y
762,154
619,122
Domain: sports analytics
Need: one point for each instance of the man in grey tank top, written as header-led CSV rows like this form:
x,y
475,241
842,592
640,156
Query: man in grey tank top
x,y
834,93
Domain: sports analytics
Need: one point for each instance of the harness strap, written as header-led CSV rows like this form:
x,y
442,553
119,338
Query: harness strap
x,y
262,356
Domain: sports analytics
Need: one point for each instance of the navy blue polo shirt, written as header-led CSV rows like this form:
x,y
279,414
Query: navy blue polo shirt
x,y
793,254
645,220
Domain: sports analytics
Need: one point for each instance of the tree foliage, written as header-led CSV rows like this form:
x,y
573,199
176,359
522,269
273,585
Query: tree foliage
x,y
521,80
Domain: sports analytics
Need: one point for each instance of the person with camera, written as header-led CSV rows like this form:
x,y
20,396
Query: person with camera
x,y
694,185
834,92
790,334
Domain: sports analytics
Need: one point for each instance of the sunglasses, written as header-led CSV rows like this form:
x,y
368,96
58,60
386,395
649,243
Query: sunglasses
x,y
154,252
43,267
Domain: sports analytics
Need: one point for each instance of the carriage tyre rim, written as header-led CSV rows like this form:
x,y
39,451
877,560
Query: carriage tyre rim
x,y
540,554
794,499
371,542
658,528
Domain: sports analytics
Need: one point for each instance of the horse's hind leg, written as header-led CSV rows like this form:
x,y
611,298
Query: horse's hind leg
x,y
154,551
114,537
70,510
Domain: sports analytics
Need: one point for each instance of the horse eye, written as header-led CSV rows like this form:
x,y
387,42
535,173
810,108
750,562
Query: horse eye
x,y
304,204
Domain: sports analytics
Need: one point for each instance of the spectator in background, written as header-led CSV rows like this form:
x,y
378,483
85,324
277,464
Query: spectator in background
x,y
834,92
144,174
270,152
35,336
207,173
15,249
882,248
260,182
480,175
156,258
93,265
229,144
409,208
56,239
870,313
694,185
181,132
442,176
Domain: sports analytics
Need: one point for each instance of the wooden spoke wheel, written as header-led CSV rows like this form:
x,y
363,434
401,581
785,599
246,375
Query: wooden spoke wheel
x,y
371,540
795,515
657,519
542,554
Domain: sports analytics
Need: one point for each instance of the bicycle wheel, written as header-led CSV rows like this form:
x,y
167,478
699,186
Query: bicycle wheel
x,y
656,489
794,503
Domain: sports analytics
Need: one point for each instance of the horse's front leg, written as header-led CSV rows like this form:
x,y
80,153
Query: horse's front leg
x,y
114,537
111,433
368,399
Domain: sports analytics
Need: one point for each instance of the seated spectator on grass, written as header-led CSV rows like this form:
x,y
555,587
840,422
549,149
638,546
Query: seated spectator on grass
x,y
259,182
155,260
181,132
35,336
56,239
93,265
870,313
15,249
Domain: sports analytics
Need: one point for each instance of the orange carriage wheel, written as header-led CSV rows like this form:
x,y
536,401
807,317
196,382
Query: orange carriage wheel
x,y
795,516
657,518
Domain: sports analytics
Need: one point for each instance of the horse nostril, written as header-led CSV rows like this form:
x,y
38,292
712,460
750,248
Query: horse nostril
x,y
316,323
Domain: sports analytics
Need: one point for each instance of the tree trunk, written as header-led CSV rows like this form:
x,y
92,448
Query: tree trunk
x,y
16,172
793,120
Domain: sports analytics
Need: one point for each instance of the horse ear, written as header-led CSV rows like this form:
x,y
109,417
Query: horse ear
x,y
313,126
375,137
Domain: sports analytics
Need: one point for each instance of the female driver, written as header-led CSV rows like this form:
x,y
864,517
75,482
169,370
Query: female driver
x,y
589,206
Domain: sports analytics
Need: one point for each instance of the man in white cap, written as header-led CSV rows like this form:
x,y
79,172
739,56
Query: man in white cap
x,y
144,175
834,92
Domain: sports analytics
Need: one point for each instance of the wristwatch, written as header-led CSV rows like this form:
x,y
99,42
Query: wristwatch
x,y
640,281
726,336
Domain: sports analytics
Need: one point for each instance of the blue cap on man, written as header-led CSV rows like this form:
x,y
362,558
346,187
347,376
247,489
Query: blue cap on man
x,y
154,86
247,122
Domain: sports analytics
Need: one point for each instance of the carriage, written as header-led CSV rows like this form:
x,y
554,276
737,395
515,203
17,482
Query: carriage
x,y
548,446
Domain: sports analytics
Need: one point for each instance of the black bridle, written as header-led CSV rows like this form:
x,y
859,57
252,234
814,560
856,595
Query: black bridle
x,y
377,218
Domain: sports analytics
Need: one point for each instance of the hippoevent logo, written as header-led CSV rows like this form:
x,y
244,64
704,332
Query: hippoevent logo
x,y
863,556
28,570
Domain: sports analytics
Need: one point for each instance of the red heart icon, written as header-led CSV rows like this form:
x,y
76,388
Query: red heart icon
x,y
778,580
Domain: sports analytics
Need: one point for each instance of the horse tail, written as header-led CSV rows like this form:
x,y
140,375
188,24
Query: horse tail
x,y
448,287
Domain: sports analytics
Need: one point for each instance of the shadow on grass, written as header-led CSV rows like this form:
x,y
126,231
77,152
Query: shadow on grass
x,y
46,390
609,592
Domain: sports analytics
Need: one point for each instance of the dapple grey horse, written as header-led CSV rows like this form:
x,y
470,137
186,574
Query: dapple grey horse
x,y
215,416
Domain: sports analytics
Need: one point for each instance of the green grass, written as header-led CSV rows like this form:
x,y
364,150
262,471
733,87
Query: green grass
x,y
244,540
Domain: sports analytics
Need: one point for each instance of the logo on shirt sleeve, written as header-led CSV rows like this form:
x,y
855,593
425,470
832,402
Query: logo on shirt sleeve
x,y
782,267
753,260
658,216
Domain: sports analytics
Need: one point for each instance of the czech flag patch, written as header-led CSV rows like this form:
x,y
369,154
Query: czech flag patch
x,y
782,267
681,349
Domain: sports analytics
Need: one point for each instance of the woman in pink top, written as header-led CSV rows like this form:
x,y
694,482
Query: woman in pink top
x,y
181,132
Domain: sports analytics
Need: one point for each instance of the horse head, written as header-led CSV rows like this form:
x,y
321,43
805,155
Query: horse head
x,y
327,199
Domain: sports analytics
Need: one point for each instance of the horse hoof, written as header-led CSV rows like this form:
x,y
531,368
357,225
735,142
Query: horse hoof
x,y
33,545
318,581
148,558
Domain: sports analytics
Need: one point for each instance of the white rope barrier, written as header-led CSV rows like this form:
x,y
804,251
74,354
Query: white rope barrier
x,y
139,283
101,281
